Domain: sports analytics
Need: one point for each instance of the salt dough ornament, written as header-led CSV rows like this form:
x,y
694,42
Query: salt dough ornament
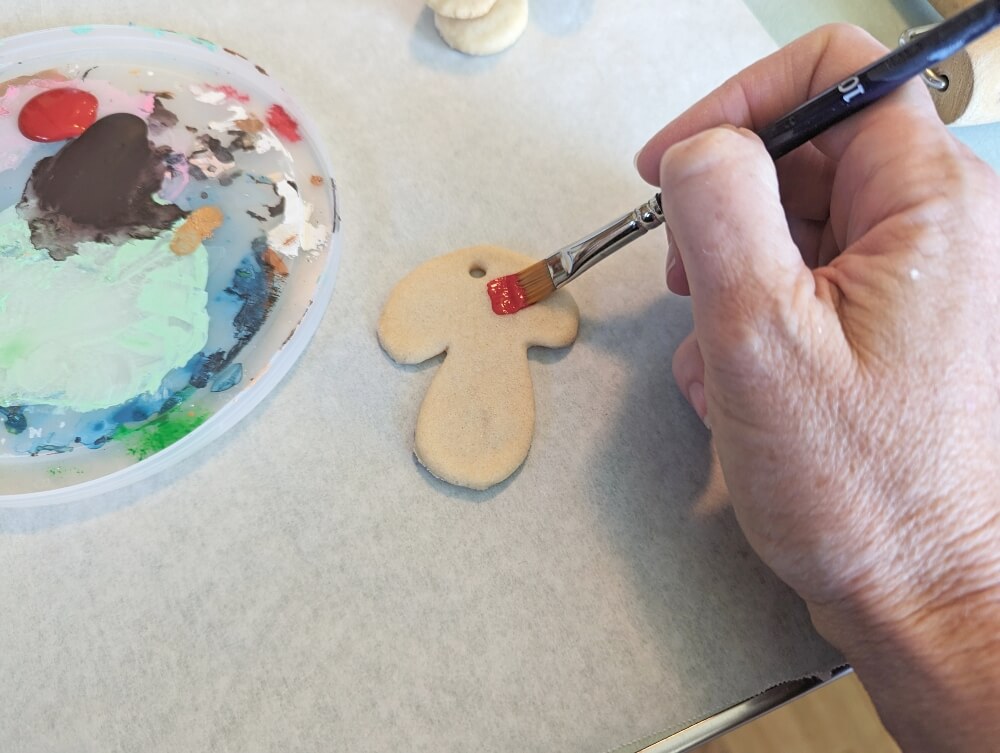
x,y
488,34
461,8
477,419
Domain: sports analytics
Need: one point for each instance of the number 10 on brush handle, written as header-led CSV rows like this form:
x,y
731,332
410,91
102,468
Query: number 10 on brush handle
x,y
879,79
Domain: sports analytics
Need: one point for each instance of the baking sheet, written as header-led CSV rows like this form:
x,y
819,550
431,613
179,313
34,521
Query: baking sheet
x,y
303,584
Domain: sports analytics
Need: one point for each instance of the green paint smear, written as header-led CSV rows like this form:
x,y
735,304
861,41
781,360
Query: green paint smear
x,y
158,434
100,327
57,471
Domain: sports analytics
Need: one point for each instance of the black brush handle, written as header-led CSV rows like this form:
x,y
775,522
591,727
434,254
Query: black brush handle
x,y
879,79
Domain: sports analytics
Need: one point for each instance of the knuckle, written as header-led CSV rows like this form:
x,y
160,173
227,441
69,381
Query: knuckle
x,y
701,152
720,158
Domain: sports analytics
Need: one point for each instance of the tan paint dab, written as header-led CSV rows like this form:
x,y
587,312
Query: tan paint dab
x,y
198,226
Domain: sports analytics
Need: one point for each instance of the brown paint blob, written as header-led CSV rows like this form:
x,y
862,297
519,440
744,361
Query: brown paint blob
x,y
49,74
273,259
249,124
106,178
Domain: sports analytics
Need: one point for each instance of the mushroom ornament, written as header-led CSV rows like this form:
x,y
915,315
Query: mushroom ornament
x,y
476,422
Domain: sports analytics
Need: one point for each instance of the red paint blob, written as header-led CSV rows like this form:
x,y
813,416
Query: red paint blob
x,y
506,295
283,123
57,114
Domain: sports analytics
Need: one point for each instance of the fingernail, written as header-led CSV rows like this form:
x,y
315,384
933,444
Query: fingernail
x,y
635,160
671,258
699,402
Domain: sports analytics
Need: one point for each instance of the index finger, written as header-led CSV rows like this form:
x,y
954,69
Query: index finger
x,y
774,86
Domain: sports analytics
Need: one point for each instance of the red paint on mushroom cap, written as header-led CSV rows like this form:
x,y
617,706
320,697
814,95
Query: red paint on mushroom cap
x,y
506,295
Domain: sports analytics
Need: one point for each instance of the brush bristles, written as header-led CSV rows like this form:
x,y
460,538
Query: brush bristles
x,y
536,281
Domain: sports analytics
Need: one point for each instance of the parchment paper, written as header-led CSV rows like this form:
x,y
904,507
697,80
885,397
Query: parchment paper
x,y
305,585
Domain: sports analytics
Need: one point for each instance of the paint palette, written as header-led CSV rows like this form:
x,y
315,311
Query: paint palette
x,y
168,228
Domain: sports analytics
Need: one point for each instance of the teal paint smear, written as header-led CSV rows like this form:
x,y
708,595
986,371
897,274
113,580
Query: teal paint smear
x,y
82,29
101,327
156,32
190,37
204,43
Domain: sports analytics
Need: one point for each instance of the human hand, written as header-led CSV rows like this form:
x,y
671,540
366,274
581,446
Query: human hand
x,y
846,353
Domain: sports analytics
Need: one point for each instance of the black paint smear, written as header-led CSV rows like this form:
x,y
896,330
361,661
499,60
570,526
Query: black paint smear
x,y
174,400
208,144
161,118
279,208
221,153
213,145
50,449
173,161
224,179
256,216
98,187
256,284
207,367
336,206
14,419
244,141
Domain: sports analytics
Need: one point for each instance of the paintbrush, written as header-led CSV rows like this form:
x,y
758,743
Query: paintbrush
x,y
529,286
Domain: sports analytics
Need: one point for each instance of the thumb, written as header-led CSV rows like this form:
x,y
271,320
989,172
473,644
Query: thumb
x,y
723,208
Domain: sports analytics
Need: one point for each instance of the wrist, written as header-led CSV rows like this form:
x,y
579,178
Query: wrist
x,y
933,672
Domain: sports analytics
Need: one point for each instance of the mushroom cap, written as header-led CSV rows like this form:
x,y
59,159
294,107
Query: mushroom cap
x,y
441,306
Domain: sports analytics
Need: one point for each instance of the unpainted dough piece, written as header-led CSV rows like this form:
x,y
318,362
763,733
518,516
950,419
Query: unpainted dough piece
x,y
461,8
488,34
475,425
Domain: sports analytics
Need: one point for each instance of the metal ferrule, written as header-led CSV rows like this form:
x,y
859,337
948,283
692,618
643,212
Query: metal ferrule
x,y
574,260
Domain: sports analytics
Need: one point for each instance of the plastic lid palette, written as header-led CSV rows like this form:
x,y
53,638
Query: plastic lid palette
x,y
167,228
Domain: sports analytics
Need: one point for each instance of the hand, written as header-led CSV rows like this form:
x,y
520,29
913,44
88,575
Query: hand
x,y
846,353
